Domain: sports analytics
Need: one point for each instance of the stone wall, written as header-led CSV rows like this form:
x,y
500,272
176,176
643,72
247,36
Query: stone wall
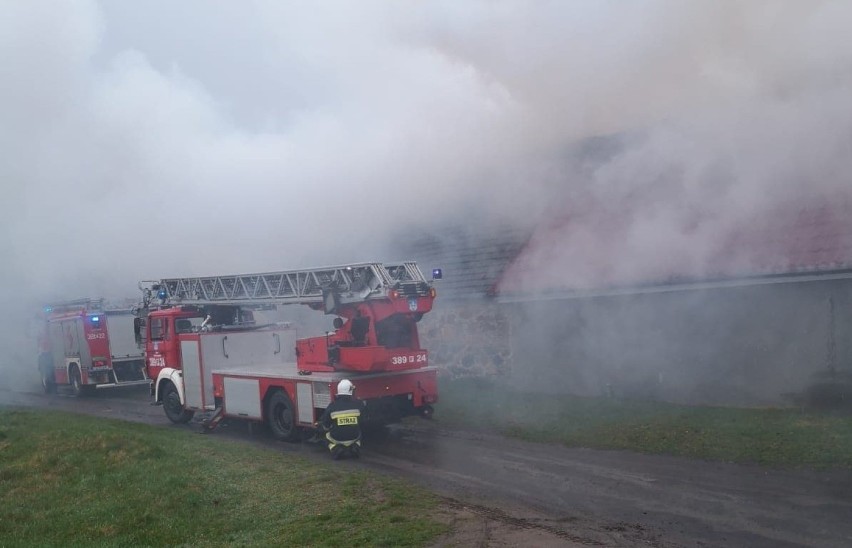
x,y
467,338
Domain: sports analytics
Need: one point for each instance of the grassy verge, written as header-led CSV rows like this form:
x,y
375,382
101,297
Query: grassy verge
x,y
71,480
774,437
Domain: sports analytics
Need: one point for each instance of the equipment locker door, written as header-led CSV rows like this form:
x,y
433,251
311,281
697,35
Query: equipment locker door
x,y
193,376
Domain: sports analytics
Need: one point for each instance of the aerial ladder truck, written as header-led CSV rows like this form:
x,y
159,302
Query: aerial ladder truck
x,y
206,351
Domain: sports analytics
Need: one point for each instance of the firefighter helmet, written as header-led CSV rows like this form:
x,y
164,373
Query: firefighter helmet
x,y
345,388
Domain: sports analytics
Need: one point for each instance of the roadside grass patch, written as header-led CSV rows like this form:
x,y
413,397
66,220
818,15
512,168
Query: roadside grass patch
x,y
784,437
71,479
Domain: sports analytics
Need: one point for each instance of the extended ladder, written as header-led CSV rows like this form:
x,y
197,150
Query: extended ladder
x,y
347,283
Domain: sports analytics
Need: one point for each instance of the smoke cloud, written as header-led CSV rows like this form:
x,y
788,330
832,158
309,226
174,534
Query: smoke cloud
x,y
153,139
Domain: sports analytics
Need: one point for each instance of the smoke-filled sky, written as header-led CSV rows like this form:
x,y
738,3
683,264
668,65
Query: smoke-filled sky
x,y
158,138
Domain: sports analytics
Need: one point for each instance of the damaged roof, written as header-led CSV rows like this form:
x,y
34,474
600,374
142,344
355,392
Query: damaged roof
x,y
600,250
472,260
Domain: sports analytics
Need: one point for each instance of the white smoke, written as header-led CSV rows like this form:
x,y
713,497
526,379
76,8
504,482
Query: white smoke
x,y
152,139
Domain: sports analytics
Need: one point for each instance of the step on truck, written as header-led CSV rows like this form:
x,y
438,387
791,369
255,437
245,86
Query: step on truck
x,y
87,346
207,352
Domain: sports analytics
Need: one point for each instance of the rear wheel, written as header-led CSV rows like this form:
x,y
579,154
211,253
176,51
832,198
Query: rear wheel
x,y
281,417
173,407
77,385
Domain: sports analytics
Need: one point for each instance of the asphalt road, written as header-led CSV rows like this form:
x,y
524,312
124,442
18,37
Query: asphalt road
x,y
536,494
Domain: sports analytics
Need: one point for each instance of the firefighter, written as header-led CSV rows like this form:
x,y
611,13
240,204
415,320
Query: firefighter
x,y
342,422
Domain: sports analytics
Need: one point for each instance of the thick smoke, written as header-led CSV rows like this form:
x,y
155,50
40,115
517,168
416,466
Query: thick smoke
x,y
152,139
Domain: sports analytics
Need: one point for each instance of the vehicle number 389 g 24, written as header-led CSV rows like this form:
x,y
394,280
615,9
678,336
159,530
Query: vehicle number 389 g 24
x,y
405,360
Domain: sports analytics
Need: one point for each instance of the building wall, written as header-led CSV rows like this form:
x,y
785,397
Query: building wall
x,y
758,345
467,338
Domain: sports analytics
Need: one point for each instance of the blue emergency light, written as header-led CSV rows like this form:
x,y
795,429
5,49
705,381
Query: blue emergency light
x,y
95,320
162,294
437,274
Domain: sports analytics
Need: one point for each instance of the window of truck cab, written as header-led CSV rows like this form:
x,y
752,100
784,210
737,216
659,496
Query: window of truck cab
x,y
159,329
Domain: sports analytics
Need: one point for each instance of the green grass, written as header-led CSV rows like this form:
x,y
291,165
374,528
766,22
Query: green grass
x,y
772,437
74,480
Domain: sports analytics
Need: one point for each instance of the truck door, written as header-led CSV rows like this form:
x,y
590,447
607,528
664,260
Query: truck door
x,y
162,346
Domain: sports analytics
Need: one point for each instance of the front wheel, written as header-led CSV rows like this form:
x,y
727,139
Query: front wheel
x,y
281,418
173,407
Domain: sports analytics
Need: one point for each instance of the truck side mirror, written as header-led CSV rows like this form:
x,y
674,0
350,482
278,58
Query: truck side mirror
x,y
139,330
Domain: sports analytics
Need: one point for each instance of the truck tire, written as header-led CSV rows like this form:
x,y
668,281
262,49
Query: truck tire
x,y
173,407
77,382
281,417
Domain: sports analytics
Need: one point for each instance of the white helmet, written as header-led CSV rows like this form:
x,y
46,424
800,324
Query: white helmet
x,y
345,388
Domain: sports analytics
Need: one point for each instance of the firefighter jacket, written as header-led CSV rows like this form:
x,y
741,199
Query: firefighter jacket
x,y
342,419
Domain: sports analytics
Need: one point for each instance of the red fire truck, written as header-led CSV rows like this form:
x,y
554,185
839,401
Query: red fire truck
x,y
86,346
207,352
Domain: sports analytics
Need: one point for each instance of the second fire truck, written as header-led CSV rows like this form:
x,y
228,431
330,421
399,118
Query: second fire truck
x,y
207,352
86,346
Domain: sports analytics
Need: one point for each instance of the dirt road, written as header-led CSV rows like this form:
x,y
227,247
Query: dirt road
x,y
501,492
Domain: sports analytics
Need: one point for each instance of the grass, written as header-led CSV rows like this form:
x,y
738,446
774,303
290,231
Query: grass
x,y
771,437
74,480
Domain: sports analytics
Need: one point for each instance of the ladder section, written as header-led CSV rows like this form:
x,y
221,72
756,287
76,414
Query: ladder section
x,y
76,305
349,283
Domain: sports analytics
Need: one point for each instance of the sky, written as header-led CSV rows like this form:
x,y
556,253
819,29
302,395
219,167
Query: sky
x,y
151,139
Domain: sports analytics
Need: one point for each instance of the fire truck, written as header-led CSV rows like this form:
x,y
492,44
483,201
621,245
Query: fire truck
x,y
86,346
207,352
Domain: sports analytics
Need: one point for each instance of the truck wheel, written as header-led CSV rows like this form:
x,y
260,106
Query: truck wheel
x,y
172,406
279,414
77,382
